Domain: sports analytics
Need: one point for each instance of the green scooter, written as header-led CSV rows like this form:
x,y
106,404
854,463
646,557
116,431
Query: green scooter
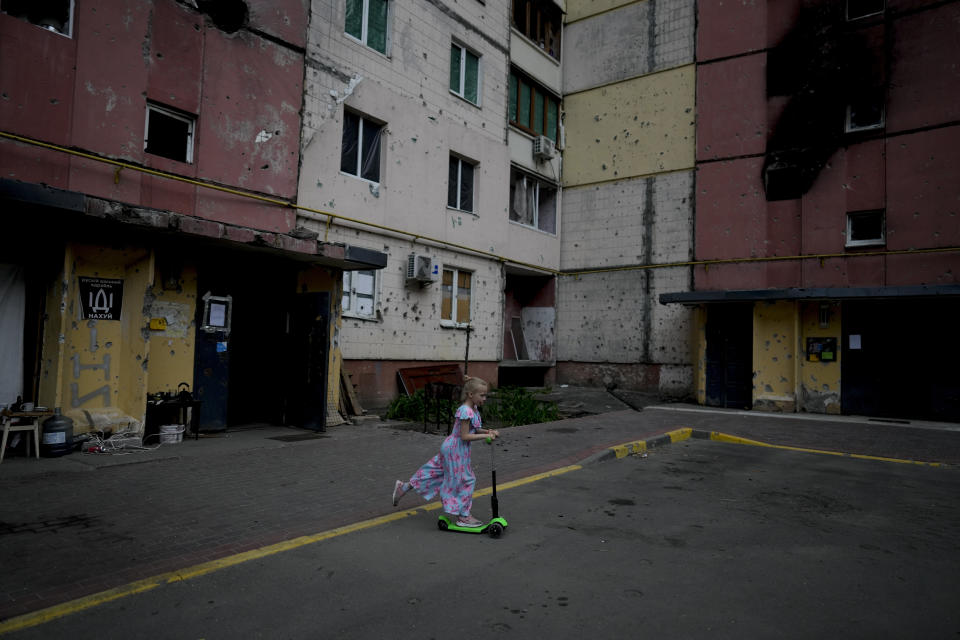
x,y
495,526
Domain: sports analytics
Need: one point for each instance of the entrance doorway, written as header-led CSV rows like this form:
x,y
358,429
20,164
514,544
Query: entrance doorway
x,y
899,358
730,356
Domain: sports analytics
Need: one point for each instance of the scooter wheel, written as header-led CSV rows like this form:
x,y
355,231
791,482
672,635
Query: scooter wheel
x,y
495,530
442,525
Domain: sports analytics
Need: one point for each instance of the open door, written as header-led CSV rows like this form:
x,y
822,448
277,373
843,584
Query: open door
x,y
309,350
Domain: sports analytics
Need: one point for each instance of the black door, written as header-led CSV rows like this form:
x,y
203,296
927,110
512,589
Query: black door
x,y
730,356
899,358
308,351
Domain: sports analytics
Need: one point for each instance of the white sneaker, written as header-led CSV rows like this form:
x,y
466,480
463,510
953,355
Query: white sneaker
x,y
397,493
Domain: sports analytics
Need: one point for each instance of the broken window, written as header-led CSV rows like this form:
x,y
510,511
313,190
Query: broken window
x,y
864,8
360,293
367,21
360,153
866,228
533,202
169,133
53,15
865,112
531,107
455,301
465,73
540,21
460,184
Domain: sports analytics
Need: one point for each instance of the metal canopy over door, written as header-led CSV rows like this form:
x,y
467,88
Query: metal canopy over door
x,y
899,358
730,356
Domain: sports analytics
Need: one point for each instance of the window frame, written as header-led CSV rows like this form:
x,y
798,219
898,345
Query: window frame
x,y
363,121
850,18
189,119
539,13
67,32
461,161
461,92
365,26
451,322
849,127
869,242
349,291
513,95
515,174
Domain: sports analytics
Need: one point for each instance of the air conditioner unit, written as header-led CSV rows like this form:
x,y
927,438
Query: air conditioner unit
x,y
421,268
544,148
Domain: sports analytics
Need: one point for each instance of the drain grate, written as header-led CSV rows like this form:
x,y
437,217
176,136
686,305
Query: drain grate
x,y
298,437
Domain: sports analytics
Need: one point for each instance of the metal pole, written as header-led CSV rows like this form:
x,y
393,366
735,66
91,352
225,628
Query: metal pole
x,y
466,355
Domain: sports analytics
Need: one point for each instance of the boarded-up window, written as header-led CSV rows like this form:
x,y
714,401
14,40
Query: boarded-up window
x,y
456,292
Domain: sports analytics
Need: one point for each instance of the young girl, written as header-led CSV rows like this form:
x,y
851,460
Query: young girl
x,y
449,472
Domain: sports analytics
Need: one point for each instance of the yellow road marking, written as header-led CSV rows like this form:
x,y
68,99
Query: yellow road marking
x,y
49,614
640,446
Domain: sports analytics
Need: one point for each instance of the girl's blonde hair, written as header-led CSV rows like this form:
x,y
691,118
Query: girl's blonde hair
x,y
472,385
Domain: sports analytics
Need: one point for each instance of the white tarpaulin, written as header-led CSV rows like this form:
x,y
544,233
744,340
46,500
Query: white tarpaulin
x,y
12,306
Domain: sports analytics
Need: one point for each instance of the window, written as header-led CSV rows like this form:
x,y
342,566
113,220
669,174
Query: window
x,y
465,73
367,22
866,112
533,203
360,153
540,21
531,107
863,8
169,134
360,293
460,184
866,228
455,305
52,15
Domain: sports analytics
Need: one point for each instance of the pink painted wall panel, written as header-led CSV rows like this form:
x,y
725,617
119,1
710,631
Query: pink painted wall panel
x,y
929,268
109,109
29,164
923,189
781,17
784,228
866,175
718,277
284,19
169,195
732,108
224,207
36,81
176,57
250,114
731,210
729,28
925,72
101,180
783,275
824,209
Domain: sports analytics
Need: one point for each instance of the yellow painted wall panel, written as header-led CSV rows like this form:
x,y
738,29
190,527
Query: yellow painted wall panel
x,y
638,127
820,381
580,9
172,349
775,347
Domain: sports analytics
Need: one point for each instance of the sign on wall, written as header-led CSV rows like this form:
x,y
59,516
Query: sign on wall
x,y
100,298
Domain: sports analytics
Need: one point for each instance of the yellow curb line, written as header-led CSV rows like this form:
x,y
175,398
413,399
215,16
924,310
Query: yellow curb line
x,y
717,436
640,446
49,614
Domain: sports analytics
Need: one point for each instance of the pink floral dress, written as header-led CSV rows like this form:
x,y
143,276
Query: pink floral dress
x,y
449,473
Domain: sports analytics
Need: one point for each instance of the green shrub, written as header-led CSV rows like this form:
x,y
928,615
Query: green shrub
x,y
506,406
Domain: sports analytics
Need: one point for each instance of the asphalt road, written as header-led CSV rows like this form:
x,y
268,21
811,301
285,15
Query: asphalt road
x,y
699,539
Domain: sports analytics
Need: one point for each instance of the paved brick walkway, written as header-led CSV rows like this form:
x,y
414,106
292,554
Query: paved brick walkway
x,y
81,524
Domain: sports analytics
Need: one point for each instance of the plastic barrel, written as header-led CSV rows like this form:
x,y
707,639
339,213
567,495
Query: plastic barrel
x,y
56,438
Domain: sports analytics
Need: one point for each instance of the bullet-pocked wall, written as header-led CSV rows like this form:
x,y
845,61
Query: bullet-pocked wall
x,y
629,86
393,85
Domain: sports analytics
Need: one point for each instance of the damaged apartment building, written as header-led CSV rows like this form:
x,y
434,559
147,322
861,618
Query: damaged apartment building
x,y
651,195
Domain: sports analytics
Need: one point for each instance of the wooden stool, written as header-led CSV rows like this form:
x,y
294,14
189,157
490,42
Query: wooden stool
x,y
32,424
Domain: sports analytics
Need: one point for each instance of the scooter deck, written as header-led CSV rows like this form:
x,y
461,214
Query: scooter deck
x,y
495,527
